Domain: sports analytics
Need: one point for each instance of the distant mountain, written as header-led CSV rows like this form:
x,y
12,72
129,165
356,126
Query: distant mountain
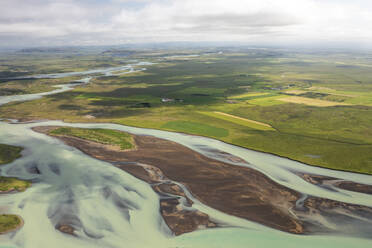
x,y
48,50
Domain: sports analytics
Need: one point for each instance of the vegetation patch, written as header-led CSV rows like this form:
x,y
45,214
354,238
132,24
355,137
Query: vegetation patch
x,y
9,222
311,101
9,153
249,95
8,184
266,101
240,121
247,84
202,91
295,92
103,136
196,128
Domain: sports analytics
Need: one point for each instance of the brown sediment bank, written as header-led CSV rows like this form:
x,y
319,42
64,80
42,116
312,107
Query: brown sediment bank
x,y
234,190
357,187
331,216
336,182
179,219
334,216
238,191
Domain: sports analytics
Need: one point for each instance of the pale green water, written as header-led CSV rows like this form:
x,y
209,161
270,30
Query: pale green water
x,y
110,208
74,186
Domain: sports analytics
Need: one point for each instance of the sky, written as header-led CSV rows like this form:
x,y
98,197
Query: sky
x,y
27,23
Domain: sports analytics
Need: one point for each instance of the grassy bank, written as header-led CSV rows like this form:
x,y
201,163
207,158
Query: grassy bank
x,y
104,136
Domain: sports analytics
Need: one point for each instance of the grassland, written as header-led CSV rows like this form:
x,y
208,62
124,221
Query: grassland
x,y
196,127
31,86
245,85
104,136
250,95
311,101
239,120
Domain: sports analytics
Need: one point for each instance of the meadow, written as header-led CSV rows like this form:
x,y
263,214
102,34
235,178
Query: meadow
x,y
314,107
122,140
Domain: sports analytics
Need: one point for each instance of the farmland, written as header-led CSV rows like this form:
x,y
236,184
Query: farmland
x,y
307,106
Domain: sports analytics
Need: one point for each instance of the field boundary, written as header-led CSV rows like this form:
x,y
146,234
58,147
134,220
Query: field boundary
x,y
240,120
312,101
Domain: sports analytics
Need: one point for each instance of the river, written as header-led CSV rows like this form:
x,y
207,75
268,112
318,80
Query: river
x,y
115,209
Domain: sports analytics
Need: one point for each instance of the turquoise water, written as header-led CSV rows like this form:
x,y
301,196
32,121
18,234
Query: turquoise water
x,y
110,208
72,186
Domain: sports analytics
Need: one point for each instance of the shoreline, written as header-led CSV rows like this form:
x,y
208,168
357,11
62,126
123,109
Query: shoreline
x,y
252,149
23,121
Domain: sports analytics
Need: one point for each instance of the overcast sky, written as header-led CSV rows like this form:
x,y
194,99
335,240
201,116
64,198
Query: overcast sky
x,y
105,22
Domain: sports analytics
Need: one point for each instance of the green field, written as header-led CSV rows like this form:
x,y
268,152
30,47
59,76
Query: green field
x,y
245,83
104,136
195,127
241,121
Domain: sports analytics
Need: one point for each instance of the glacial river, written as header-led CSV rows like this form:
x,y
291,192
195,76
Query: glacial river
x,y
114,209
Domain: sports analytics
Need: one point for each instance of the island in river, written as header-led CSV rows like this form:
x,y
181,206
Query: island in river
x,y
172,169
10,222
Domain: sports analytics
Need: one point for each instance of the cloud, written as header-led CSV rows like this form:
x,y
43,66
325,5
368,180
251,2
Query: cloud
x,y
68,22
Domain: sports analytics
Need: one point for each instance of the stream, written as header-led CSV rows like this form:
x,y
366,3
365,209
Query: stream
x,y
114,209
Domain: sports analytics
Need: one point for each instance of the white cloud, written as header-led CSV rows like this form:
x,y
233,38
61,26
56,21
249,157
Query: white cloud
x,y
95,22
